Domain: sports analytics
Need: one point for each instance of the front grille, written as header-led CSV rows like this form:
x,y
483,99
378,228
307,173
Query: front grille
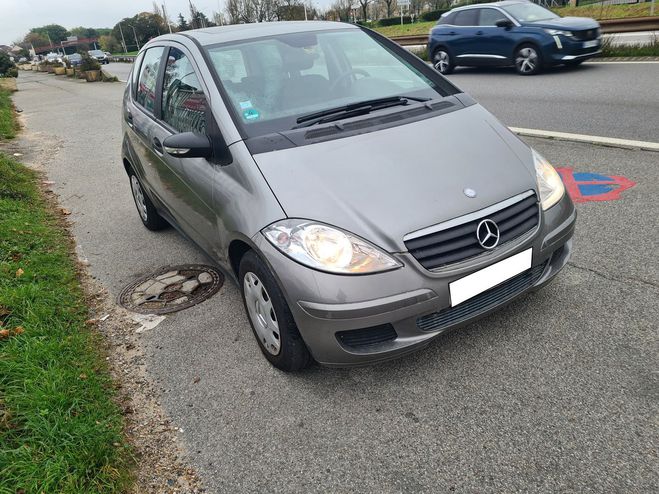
x,y
481,302
587,34
361,338
460,242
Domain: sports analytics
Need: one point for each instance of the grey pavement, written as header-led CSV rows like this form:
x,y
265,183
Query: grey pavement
x,y
556,392
612,100
120,69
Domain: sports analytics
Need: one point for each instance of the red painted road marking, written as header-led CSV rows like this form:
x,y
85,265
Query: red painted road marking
x,y
612,185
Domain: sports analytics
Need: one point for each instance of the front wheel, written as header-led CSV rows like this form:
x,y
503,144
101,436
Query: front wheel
x,y
270,317
147,211
528,60
441,60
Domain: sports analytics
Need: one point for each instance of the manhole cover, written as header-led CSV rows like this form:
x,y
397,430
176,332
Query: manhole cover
x,y
171,289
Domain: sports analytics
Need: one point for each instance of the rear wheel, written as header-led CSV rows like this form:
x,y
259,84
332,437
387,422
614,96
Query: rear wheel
x,y
442,62
528,60
270,317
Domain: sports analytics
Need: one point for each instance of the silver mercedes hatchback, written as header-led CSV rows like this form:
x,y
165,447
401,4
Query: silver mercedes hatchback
x,y
363,203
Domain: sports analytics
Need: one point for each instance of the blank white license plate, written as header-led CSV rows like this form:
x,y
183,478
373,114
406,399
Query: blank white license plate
x,y
590,44
486,278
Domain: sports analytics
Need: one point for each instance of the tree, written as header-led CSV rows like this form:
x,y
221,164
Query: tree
x,y
343,8
364,5
182,23
389,5
36,40
56,32
109,43
7,67
146,25
84,32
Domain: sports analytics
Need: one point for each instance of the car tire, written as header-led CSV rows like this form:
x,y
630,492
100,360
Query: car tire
x,y
528,60
270,317
145,208
442,61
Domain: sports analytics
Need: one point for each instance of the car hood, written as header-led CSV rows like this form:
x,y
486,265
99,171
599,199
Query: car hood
x,y
384,184
567,23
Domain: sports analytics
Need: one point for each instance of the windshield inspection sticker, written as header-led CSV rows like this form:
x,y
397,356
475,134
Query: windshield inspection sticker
x,y
584,187
244,105
251,114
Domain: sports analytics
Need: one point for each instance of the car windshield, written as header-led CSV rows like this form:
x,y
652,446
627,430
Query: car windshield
x,y
96,52
529,12
272,81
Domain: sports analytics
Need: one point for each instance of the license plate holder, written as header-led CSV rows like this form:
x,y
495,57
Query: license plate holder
x,y
489,277
591,43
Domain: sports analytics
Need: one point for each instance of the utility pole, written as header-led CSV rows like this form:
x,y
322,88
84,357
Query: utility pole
x,y
305,12
135,34
164,12
123,40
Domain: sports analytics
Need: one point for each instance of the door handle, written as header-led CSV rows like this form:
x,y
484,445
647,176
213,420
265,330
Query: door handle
x,y
129,118
157,145
452,33
479,33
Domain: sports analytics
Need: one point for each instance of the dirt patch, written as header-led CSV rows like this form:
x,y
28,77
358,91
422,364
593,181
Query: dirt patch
x,y
159,464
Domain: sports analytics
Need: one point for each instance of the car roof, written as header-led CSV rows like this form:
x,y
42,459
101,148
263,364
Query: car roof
x,y
240,32
504,3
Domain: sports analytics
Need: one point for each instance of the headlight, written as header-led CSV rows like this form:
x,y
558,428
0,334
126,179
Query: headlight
x,y
549,181
555,32
327,248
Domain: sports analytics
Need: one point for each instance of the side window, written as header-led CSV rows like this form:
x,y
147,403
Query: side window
x,y
146,86
135,73
489,17
183,100
467,17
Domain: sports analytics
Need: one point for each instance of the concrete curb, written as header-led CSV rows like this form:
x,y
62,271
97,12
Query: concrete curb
x,y
588,139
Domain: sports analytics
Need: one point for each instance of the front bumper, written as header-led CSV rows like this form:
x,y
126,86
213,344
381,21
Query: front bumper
x,y
334,313
564,50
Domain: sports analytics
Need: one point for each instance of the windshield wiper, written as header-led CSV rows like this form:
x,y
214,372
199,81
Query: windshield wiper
x,y
353,110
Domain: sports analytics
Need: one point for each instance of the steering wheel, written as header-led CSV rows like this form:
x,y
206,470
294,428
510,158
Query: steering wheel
x,y
347,74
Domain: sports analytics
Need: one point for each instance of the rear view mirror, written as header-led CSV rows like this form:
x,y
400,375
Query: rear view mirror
x,y
188,145
504,23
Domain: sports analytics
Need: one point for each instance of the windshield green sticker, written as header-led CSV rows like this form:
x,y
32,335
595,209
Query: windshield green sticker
x,y
251,114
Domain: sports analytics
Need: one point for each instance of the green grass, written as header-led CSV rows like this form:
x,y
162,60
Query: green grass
x,y
121,54
60,430
8,124
594,11
635,50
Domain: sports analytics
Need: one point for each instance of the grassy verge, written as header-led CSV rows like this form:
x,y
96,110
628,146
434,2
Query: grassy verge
x,y
8,123
635,50
121,54
595,11
60,430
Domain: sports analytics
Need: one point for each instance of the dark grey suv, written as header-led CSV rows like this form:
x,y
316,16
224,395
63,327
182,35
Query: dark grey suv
x,y
296,156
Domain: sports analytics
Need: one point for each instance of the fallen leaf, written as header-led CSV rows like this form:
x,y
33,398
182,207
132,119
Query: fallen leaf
x,y
91,322
196,379
19,272
65,211
4,333
83,376
19,330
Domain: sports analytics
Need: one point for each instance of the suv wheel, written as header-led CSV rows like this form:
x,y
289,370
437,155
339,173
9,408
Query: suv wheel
x,y
528,60
270,317
147,211
441,60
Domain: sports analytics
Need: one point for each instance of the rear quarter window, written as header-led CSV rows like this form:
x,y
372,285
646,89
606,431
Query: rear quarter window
x,y
466,18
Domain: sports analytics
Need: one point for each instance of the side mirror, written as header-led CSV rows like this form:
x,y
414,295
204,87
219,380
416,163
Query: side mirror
x,y
507,23
188,145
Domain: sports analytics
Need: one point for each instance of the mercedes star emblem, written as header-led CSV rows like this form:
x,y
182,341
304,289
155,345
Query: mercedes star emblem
x,y
488,234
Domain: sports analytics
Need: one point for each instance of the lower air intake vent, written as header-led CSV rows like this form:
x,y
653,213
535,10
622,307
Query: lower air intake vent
x,y
362,338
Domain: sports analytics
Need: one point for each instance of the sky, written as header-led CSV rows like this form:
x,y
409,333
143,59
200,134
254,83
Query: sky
x,y
18,16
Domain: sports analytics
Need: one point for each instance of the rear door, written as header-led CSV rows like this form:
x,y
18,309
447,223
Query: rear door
x,y
461,36
496,43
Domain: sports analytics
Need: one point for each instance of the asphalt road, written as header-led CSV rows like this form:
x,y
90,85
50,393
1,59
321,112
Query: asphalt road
x,y
612,100
556,392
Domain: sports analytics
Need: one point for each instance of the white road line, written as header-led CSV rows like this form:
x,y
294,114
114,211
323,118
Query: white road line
x,y
602,141
621,61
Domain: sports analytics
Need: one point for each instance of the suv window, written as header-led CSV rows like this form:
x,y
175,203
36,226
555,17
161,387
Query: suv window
x,y
467,17
183,100
489,17
146,86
